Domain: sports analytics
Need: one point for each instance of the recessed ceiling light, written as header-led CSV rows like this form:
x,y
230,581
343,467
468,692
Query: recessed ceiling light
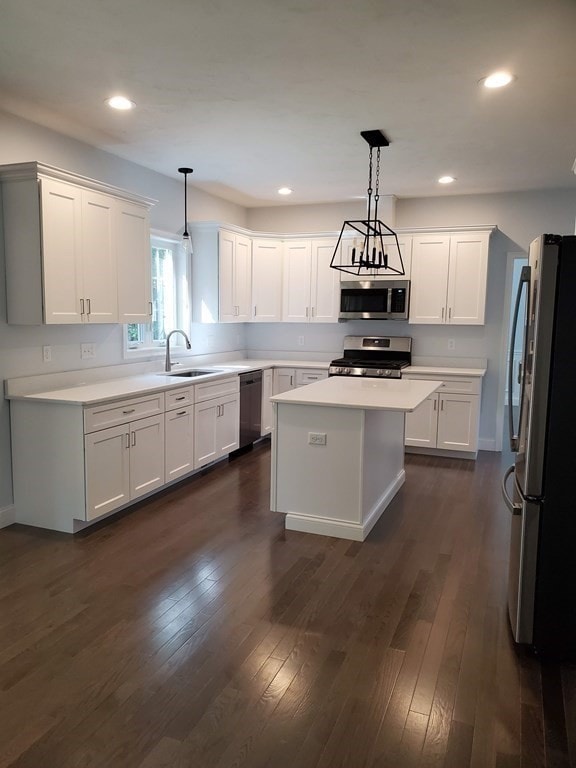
x,y
446,179
497,80
284,191
120,102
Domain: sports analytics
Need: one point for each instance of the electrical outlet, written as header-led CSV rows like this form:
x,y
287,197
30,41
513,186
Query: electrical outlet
x,y
87,351
317,438
47,354
451,343
301,341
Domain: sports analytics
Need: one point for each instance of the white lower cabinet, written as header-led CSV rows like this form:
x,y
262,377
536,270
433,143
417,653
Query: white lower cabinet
x,y
216,420
179,433
123,463
449,420
309,376
284,379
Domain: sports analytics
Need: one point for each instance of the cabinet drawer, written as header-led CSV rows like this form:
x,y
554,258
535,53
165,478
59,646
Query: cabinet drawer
x,y
458,385
216,389
309,375
178,398
110,414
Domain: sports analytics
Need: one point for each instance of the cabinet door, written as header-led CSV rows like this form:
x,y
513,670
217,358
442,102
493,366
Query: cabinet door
x,y
61,251
266,281
205,438
297,261
405,243
467,278
429,273
179,437
267,390
458,422
421,424
99,281
228,424
146,455
132,229
284,379
227,304
243,278
309,376
325,283
107,466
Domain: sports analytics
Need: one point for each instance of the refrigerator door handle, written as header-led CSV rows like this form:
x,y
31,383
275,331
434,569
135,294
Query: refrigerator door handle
x,y
514,434
514,507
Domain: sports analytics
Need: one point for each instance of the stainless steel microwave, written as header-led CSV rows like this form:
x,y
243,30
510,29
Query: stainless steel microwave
x,y
374,299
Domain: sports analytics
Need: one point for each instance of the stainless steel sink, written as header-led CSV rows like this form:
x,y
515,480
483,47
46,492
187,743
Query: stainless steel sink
x,y
192,373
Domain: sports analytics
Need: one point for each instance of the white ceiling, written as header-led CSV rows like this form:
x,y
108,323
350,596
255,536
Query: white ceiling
x,y
256,94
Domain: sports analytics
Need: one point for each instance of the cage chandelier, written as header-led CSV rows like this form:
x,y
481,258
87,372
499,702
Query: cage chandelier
x,y
364,244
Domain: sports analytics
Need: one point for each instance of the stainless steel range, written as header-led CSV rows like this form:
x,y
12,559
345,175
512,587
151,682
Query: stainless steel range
x,y
374,356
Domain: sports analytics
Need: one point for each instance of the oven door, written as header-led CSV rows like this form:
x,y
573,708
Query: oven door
x,y
374,300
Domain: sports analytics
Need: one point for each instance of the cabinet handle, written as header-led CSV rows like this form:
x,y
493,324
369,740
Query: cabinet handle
x,y
254,310
81,306
291,381
133,438
311,311
217,411
181,413
435,404
181,397
442,313
127,440
306,311
89,306
150,310
441,405
129,410
449,313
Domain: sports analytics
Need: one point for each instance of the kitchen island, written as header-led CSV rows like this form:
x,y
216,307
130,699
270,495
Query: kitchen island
x,y
338,452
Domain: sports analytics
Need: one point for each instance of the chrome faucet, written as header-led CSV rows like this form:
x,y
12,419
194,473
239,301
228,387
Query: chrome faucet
x,y
169,363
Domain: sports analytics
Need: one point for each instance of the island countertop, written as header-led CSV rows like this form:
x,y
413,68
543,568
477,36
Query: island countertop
x,y
363,393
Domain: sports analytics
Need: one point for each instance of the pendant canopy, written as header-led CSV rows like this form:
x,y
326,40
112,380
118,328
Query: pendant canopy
x,y
368,246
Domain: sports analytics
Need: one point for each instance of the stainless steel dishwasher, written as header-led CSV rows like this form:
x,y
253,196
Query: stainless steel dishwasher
x,y
250,407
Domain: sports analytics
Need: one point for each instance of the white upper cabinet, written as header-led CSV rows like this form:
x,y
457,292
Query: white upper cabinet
x,y
68,248
133,263
266,281
311,289
449,273
235,282
405,244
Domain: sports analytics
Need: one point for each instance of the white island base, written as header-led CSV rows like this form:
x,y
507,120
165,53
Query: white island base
x,y
342,486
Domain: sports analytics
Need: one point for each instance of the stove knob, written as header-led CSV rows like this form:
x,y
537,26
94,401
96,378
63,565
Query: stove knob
x,y
387,373
379,372
363,371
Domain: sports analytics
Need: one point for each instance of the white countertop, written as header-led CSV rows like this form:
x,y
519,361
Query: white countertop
x,y
91,393
429,370
365,393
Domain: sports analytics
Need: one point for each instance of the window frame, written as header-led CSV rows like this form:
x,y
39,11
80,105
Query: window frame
x,y
148,347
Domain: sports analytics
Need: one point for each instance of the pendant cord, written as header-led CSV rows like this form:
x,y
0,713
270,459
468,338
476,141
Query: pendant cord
x,y
185,233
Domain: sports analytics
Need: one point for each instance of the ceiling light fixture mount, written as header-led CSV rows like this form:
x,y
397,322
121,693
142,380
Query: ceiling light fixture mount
x,y
497,80
120,102
446,179
367,238
185,235
284,191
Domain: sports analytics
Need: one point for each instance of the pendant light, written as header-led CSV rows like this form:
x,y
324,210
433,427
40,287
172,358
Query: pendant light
x,y
185,236
366,242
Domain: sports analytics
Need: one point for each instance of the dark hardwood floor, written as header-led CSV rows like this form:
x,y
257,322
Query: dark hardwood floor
x,y
194,632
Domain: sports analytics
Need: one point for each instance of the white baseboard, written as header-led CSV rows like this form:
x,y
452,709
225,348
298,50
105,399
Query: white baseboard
x,y
7,516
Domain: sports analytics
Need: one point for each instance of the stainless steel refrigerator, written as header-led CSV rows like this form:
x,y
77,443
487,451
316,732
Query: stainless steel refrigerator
x,y
542,480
